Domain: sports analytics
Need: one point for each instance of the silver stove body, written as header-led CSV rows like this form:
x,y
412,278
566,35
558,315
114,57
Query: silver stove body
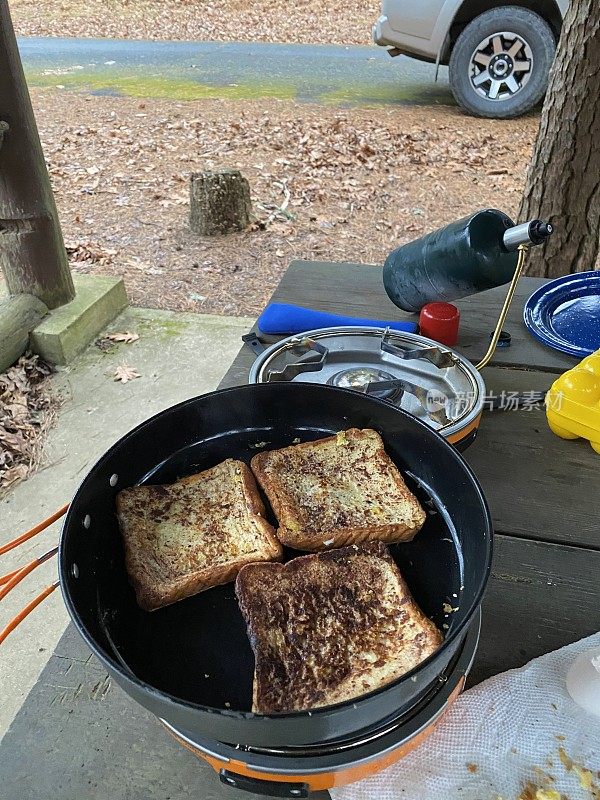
x,y
422,377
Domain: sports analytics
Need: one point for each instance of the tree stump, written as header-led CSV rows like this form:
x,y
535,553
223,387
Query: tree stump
x,y
219,202
18,317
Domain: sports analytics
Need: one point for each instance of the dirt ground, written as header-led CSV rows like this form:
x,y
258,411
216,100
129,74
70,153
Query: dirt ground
x,y
312,21
352,183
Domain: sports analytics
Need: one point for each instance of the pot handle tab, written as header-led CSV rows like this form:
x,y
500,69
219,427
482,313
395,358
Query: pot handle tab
x,y
295,791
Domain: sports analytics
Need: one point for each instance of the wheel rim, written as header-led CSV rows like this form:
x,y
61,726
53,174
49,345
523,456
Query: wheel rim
x,y
501,66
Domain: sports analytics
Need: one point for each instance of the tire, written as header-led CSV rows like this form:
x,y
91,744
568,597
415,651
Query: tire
x,y
519,62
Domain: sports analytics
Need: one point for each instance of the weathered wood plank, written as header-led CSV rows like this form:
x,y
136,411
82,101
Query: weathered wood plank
x,y
237,374
19,315
358,289
537,485
540,597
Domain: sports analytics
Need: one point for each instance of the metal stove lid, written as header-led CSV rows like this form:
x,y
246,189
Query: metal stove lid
x,y
417,374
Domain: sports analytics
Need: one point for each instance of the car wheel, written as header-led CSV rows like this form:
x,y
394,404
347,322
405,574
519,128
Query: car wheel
x,y
500,63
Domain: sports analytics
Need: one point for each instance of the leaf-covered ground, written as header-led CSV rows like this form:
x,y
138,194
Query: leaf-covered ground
x,y
327,184
312,21
351,184
27,409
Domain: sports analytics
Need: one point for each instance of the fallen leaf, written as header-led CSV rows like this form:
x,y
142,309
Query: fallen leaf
x,y
13,475
126,336
105,345
125,373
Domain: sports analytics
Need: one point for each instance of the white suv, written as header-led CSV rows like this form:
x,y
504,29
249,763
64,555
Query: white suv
x,y
499,55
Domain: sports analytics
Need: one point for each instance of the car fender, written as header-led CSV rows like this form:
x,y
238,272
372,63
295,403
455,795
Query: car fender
x,y
443,24
446,17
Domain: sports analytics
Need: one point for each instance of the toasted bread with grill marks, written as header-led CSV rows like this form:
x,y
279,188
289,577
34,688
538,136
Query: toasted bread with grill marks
x,y
341,490
329,627
196,533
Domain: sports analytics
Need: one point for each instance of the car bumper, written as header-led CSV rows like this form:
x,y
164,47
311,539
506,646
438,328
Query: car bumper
x,y
401,43
383,33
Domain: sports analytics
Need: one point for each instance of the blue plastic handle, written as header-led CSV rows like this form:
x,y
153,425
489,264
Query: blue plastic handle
x,y
283,318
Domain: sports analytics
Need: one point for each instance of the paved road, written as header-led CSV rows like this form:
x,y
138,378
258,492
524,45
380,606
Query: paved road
x,y
188,70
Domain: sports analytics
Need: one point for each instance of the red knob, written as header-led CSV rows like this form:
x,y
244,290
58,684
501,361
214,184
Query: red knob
x,y
440,321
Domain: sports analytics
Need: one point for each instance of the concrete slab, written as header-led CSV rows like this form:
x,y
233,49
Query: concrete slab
x,y
178,356
67,330
80,737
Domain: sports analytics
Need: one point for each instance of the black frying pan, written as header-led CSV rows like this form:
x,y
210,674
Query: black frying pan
x,y
191,663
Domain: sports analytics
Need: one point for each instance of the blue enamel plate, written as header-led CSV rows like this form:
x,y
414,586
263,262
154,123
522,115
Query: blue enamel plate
x,y
565,313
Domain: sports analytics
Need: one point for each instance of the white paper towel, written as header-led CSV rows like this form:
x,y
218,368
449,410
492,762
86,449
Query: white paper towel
x,y
514,732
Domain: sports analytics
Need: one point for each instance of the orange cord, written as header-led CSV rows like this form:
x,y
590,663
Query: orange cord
x,y
11,579
27,610
24,572
8,576
34,531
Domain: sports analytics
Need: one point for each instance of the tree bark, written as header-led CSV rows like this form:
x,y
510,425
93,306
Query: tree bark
x,y
563,183
219,202
32,251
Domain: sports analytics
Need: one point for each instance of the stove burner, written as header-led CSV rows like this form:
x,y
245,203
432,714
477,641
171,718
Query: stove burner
x,y
359,378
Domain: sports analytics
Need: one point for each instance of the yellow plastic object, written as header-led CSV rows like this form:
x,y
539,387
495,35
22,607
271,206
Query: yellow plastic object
x,y
573,402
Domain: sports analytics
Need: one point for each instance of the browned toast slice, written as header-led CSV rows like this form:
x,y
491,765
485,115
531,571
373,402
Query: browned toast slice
x,y
196,533
329,627
341,490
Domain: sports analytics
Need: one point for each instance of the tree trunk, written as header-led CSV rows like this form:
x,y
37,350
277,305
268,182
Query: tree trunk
x,y
562,182
32,251
219,202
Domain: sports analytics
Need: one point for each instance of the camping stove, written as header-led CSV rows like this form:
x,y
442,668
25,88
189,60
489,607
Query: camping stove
x,y
430,381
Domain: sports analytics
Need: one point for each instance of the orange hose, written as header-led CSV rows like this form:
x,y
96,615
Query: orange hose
x,y
21,573
24,572
34,531
27,610
8,576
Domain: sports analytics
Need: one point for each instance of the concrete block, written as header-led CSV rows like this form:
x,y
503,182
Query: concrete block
x,y
66,331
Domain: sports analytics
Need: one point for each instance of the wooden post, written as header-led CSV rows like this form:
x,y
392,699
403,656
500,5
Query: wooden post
x,y
219,202
19,315
32,251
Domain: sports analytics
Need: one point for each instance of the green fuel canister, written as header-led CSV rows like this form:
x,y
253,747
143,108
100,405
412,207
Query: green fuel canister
x,y
468,256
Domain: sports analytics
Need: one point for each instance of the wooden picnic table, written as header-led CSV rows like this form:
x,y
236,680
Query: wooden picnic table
x,y
543,591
